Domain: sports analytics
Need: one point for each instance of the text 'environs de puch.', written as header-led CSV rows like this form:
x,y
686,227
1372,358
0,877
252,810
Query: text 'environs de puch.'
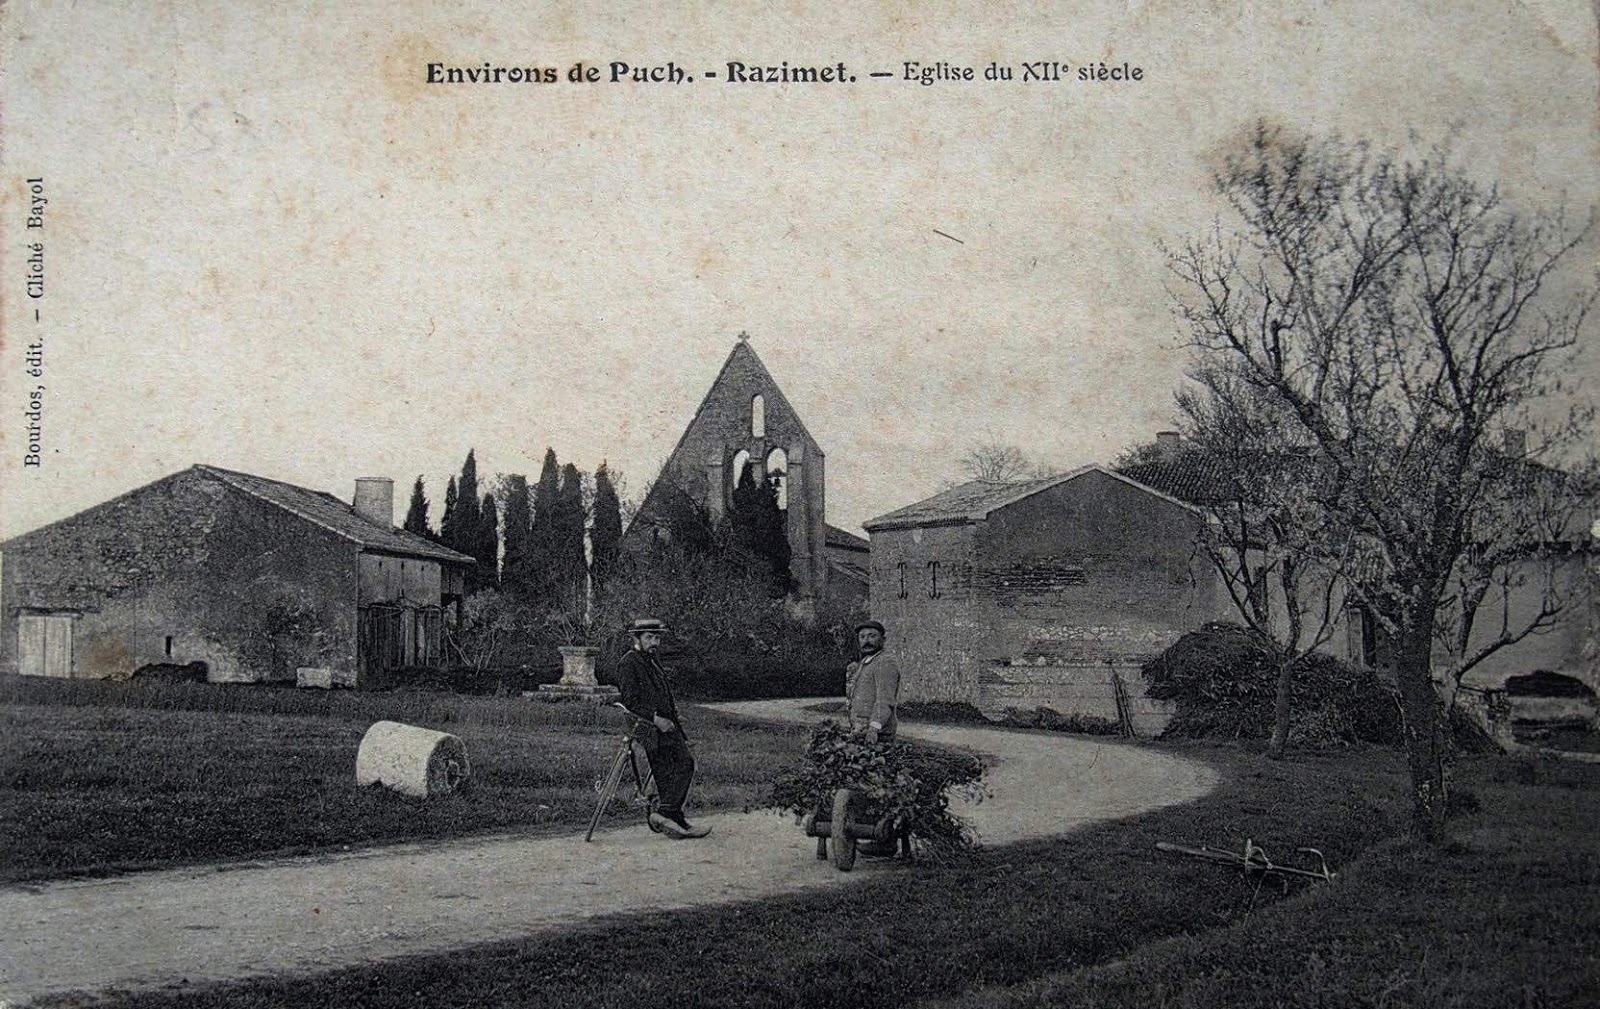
x,y
33,352
784,72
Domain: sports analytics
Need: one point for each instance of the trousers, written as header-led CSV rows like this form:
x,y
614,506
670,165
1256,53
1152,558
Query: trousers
x,y
673,767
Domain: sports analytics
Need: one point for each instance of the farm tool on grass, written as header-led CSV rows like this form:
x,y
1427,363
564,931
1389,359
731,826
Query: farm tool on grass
x,y
1254,862
627,758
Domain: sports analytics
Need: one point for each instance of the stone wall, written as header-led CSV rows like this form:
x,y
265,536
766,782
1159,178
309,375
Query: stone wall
x,y
932,628
1085,689
703,461
1088,572
187,569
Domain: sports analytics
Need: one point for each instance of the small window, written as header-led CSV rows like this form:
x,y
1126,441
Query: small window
x,y
902,567
933,579
758,416
169,646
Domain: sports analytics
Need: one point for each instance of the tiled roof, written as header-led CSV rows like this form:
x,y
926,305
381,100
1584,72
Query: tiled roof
x,y
339,517
847,570
837,537
1188,477
975,501
969,502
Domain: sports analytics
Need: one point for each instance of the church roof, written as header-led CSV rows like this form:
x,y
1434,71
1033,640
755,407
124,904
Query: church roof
x,y
854,572
837,537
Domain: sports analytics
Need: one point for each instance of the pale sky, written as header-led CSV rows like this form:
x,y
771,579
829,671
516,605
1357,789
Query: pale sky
x,y
271,246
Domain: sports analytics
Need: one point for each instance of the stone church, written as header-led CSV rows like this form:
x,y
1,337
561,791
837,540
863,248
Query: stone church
x,y
746,419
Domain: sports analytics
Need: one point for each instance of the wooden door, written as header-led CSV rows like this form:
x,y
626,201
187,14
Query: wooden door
x,y
44,645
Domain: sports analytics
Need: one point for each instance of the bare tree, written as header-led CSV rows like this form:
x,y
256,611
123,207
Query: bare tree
x,y
993,461
1400,318
1531,519
1281,567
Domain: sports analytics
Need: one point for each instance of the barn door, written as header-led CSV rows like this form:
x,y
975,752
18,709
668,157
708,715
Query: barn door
x,y
383,638
44,645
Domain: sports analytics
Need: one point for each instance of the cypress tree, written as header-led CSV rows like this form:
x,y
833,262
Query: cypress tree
x,y
452,508
542,543
516,574
417,512
571,566
469,508
775,537
743,509
487,547
605,532
760,527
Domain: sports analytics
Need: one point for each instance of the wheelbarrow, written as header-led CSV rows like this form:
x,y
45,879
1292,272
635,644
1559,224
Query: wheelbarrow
x,y
843,822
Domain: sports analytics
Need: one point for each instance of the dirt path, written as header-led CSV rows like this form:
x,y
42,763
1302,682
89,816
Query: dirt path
x,y
315,913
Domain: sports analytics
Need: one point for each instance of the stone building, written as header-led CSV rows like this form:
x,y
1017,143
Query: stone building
x,y
252,577
1053,593
746,419
1049,593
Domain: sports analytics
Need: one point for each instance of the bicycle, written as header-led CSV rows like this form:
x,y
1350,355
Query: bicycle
x,y
1254,861
643,783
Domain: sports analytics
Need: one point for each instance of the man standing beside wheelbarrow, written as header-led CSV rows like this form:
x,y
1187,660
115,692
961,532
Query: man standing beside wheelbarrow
x,y
872,684
645,692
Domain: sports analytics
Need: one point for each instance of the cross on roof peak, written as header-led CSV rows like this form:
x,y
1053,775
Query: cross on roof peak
x,y
744,337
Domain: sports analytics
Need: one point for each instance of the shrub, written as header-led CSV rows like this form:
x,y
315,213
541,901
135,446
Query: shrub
x,y
733,637
1223,678
173,672
1055,721
734,676
907,785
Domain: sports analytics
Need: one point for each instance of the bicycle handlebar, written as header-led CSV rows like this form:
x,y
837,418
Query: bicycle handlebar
x,y
629,712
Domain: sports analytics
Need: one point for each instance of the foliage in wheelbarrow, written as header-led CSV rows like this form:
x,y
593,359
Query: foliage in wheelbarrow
x,y
908,785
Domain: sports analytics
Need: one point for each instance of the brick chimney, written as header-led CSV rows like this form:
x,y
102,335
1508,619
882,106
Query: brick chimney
x,y
374,500
1168,444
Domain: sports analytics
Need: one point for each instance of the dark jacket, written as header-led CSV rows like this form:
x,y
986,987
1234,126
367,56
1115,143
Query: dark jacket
x,y
646,693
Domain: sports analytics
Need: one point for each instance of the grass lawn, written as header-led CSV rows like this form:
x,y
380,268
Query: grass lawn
x,y
98,777
1505,917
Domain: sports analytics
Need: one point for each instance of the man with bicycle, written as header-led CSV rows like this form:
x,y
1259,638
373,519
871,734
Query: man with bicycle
x,y
646,693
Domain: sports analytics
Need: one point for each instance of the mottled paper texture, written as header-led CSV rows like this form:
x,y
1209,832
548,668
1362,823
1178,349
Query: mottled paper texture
x,y
321,241
269,243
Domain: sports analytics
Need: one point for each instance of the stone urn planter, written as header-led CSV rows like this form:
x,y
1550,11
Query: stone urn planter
x,y
578,681
577,665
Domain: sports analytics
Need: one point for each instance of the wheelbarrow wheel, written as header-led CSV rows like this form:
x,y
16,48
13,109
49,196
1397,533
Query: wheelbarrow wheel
x,y
844,846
